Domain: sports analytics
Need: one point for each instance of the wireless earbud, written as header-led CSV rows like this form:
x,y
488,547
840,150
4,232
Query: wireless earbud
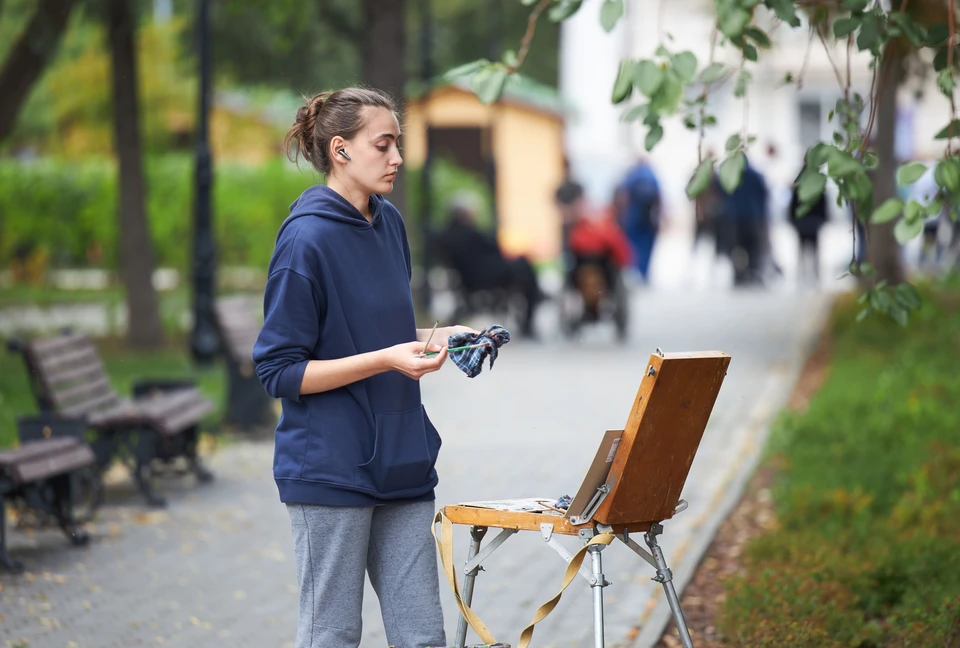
x,y
343,153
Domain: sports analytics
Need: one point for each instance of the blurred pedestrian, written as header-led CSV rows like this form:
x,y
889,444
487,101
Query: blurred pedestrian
x,y
639,204
477,258
808,228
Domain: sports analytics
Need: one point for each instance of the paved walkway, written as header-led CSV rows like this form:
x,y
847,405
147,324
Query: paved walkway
x,y
216,568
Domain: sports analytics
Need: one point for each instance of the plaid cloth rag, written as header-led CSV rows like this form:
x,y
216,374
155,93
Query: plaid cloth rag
x,y
471,360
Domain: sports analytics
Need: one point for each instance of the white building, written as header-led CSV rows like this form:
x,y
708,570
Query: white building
x,y
789,117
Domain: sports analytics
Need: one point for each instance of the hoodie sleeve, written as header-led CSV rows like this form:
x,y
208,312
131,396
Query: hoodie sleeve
x,y
291,329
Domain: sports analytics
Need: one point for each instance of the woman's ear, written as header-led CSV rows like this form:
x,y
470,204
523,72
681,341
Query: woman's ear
x,y
337,143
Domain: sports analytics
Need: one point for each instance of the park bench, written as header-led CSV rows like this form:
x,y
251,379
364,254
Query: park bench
x,y
160,423
238,323
38,475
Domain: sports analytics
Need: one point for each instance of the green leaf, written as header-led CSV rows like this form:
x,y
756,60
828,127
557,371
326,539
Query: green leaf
x,y
743,79
898,314
701,179
733,20
465,69
510,59
786,10
913,212
685,63
914,32
946,82
758,36
947,174
488,83
653,136
940,60
623,86
732,144
908,295
750,52
563,9
946,132
910,173
816,155
886,212
810,186
610,13
905,231
667,98
937,35
647,76
731,171
636,112
869,36
841,164
712,72
843,27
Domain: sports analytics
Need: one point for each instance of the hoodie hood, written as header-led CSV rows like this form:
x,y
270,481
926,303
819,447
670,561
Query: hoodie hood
x,y
322,201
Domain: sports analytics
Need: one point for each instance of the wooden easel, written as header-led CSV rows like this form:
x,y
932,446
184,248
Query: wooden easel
x,y
641,489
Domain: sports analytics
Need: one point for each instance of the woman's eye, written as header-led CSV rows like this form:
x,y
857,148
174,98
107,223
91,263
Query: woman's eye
x,y
382,149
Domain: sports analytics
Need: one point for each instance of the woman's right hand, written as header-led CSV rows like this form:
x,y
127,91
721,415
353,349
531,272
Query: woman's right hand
x,y
407,358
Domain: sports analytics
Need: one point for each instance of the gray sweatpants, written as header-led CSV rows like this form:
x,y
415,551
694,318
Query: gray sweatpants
x,y
334,545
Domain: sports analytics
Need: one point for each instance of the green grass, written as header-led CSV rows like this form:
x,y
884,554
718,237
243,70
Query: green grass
x,y
124,367
867,551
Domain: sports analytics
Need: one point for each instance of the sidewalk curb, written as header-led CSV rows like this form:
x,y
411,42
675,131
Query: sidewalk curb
x,y
760,418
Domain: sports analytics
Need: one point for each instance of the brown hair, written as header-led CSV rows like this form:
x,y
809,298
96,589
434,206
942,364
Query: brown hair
x,y
326,115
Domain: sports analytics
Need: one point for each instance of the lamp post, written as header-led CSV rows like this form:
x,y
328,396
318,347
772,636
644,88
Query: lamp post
x,y
204,342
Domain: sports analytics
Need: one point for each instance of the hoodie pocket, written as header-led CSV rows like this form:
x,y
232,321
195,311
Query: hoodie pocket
x,y
403,453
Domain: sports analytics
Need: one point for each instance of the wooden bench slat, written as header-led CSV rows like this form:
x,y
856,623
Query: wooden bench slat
x,y
34,449
187,418
46,346
83,393
69,358
107,400
69,374
51,465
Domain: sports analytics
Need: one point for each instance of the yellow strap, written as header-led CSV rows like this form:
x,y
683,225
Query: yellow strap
x,y
446,558
445,545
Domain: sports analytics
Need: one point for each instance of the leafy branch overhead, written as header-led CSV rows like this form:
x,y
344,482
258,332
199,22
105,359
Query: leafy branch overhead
x,y
675,84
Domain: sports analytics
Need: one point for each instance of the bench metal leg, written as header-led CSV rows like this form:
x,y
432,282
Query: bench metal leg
x,y
63,511
141,477
665,578
597,583
476,535
204,476
8,563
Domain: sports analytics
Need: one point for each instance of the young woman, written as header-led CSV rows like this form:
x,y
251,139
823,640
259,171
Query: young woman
x,y
355,450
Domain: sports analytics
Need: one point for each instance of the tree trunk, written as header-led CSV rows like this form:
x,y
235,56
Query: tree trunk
x,y
29,56
384,62
884,251
136,246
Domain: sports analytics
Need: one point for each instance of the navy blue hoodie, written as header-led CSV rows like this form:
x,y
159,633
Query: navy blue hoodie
x,y
339,285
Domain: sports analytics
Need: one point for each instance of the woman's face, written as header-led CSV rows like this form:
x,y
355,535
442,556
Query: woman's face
x,y
374,152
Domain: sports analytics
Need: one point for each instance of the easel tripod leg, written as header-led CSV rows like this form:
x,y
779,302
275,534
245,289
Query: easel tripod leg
x,y
598,582
476,535
665,578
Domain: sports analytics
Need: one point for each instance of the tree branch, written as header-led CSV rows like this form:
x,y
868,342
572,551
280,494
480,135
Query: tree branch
x,y
29,57
826,49
528,35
